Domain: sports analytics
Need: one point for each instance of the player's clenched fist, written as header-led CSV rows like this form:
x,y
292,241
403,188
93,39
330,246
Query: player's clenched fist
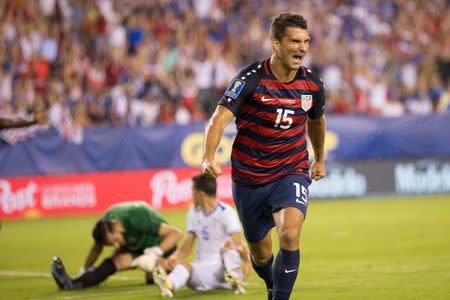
x,y
211,168
318,170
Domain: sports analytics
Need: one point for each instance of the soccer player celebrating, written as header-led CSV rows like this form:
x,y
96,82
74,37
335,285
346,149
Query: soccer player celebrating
x,y
220,247
276,103
140,235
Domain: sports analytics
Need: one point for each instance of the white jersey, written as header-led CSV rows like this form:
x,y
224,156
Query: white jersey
x,y
212,230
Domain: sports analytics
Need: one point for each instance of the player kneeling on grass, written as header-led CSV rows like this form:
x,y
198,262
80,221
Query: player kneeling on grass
x,y
222,259
140,237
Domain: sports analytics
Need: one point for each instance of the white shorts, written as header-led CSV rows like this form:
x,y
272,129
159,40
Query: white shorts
x,y
207,275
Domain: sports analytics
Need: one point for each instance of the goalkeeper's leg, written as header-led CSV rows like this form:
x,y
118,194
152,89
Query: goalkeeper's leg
x,y
107,268
96,275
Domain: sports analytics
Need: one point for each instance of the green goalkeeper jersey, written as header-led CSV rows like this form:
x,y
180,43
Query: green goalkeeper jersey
x,y
140,221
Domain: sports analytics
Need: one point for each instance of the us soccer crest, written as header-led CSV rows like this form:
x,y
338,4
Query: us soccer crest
x,y
307,102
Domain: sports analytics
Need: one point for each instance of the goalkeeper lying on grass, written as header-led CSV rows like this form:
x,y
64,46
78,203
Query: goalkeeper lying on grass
x,y
139,234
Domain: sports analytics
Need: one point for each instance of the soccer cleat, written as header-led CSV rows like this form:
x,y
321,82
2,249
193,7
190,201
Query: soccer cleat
x,y
59,274
234,281
163,282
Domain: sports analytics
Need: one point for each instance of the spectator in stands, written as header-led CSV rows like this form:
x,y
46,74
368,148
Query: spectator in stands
x,y
371,54
444,101
19,122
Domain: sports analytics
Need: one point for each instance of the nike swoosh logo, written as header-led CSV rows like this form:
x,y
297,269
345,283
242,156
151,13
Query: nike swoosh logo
x,y
300,201
289,271
264,99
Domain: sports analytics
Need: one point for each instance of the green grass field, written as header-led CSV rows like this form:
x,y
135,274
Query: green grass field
x,y
354,249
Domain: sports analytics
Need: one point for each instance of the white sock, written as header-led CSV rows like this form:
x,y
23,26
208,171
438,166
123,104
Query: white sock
x,y
179,276
232,261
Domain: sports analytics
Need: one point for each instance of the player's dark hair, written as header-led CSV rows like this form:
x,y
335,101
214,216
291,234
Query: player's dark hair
x,y
283,20
205,183
101,229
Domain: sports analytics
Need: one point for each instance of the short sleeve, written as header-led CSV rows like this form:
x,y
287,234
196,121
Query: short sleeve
x,y
190,221
231,221
240,89
318,108
234,96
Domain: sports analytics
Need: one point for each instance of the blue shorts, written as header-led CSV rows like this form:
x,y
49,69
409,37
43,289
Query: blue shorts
x,y
255,204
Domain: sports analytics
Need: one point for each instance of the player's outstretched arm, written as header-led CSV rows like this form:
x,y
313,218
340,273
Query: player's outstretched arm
x,y
316,133
183,252
213,133
170,236
92,256
152,255
238,243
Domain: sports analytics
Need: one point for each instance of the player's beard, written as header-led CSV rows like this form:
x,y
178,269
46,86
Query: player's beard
x,y
297,62
288,60
296,59
289,64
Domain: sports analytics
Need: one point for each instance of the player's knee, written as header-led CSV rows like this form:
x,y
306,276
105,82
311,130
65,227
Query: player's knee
x,y
229,252
290,238
122,261
261,258
188,266
261,252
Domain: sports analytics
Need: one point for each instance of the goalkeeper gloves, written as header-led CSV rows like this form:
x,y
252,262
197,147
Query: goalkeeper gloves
x,y
147,261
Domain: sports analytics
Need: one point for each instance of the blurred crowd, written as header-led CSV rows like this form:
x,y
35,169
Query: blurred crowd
x,y
140,62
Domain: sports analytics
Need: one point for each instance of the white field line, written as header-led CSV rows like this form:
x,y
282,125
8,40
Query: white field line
x,y
88,296
11,273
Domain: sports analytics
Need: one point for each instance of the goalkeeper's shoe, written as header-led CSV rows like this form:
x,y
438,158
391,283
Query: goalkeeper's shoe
x,y
234,281
59,274
161,279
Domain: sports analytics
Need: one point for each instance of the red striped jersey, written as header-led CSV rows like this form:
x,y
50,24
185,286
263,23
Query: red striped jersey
x,y
271,122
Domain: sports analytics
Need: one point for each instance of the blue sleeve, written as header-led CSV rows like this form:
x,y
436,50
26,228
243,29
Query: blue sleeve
x,y
318,107
240,89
